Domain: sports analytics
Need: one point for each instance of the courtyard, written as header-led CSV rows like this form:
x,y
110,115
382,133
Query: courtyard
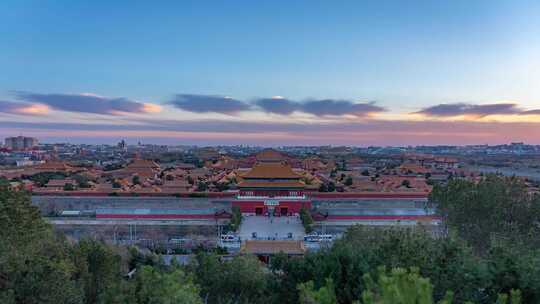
x,y
265,227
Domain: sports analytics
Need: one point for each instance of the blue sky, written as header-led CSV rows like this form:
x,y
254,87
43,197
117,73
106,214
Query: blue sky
x,y
404,56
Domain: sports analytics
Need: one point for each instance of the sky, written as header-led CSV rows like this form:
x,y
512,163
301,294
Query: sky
x,y
271,72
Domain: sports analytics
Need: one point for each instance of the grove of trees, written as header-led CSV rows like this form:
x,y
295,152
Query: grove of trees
x,y
487,252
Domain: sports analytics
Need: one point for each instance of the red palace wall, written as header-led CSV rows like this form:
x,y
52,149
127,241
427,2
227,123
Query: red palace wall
x,y
384,217
157,216
271,193
292,207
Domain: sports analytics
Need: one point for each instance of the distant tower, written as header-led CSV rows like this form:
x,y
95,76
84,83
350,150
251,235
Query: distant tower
x,y
122,145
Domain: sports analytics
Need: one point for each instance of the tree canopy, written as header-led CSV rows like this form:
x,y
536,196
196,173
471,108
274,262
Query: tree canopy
x,y
489,254
492,209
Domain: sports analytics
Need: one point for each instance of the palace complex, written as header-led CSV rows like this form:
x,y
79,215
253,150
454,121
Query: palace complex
x,y
271,187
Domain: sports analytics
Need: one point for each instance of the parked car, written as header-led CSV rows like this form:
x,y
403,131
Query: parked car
x,y
228,238
318,238
312,238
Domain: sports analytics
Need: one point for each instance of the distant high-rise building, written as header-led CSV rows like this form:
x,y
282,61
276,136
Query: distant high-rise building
x,y
122,145
21,142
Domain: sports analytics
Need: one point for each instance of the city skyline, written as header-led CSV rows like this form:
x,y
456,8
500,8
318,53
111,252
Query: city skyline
x,y
294,73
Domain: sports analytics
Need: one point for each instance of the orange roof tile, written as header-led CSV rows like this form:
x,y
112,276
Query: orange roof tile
x,y
270,155
176,183
53,166
265,184
142,163
414,168
271,170
140,167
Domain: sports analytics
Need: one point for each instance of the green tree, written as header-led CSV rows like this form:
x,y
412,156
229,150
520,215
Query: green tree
x,y
136,259
307,220
515,297
236,219
240,280
34,262
202,186
325,294
331,187
116,184
4,182
496,208
97,268
447,262
400,286
514,268
153,285
406,183
348,181
222,186
41,179
82,181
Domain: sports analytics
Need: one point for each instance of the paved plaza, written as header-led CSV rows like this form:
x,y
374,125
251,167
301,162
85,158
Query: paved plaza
x,y
271,227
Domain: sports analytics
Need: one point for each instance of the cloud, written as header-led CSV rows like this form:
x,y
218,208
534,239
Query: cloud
x,y
317,107
339,107
277,105
88,103
369,132
459,109
531,112
22,108
208,104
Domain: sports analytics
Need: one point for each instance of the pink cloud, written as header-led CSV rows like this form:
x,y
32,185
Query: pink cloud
x,y
374,132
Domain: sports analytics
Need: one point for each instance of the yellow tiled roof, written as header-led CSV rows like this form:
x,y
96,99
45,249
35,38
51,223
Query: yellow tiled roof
x,y
266,184
273,247
271,170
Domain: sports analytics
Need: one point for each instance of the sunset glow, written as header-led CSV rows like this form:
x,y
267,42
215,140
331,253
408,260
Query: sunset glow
x,y
361,73
35,109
